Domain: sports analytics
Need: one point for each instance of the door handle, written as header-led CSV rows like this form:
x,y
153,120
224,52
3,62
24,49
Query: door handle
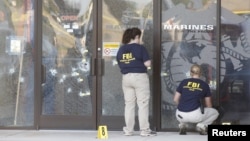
x,y
98,67
43,74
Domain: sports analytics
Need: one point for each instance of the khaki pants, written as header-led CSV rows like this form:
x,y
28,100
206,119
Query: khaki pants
x,y
202,120
136,91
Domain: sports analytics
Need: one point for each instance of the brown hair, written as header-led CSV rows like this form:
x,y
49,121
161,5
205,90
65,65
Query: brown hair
x,y
129,34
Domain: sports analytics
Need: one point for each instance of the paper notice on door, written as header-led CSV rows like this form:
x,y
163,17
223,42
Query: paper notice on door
x,y
15,46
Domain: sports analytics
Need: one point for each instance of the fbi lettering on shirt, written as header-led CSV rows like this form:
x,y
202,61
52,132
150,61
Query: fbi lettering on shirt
x,y
127,57
192,86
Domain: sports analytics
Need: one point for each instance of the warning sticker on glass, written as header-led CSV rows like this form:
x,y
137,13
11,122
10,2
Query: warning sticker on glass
x,y
110,48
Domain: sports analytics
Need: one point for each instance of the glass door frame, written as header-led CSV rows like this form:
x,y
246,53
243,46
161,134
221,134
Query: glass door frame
x,y
116,122
62,121
113,122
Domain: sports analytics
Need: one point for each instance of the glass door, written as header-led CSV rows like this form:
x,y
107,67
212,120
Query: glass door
x,y
81,82
118,15
67,51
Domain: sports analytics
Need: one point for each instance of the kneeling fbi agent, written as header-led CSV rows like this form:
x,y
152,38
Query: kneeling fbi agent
x,y
189,97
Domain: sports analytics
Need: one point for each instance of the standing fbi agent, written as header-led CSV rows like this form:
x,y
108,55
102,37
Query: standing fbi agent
x,y
133,60
189,97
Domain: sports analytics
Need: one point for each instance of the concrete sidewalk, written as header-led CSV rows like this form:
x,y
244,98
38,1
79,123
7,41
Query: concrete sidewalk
x,y
86,135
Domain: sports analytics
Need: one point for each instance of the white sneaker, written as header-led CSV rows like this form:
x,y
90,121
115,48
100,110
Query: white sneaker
x,y
126,132
202,131
148,132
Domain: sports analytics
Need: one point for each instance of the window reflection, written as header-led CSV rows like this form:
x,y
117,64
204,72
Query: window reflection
x,y
17,66
235,60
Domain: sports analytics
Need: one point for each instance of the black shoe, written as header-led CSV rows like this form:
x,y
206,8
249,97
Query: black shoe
x,y
183,131
201,131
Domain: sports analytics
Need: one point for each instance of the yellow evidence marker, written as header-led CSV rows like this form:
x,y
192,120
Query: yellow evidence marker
x,y
102,132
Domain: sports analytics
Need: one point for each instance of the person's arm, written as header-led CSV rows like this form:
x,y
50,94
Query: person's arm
x,y
208,102
147,63
177,97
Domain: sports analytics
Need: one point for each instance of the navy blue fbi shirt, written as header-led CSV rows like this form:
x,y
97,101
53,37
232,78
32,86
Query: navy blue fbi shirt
x,y
192,90
131,58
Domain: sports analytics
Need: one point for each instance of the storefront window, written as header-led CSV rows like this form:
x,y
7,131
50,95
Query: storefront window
x,y
188,37
17,64
235,61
